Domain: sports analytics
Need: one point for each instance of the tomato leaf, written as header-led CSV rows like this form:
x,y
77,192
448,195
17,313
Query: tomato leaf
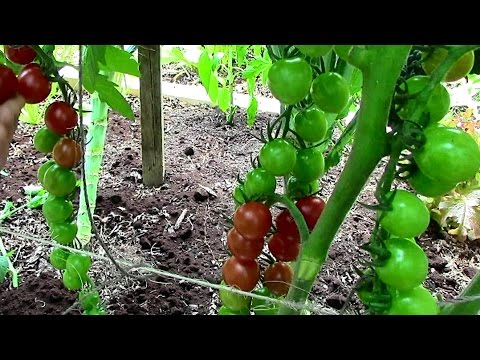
x,y
241,53
108,93
119,60
460,214
210,83
90,69
3,268
32,189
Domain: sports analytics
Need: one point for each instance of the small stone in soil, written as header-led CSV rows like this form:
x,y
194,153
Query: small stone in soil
x,y
188,151
137,224
336,301
438,263
115,199
200,196
184,235
470,271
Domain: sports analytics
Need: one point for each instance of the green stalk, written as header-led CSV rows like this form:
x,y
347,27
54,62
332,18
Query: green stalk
x,y
381,67
95,144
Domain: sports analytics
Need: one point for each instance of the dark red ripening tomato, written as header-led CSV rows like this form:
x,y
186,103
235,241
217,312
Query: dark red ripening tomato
x,y
284,248
32,84
253,220
242,274
20,54
242,248
60,118
311,208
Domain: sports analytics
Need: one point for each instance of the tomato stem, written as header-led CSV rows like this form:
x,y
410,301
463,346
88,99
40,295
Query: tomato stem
x,y
381,66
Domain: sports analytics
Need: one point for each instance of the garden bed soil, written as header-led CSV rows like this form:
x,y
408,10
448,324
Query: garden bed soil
x,y
137,223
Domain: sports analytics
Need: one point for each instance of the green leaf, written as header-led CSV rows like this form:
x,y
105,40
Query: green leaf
x,y
7,210
38,200
251,86
213,89
205,69
99,51
121,61
108,93
90,69
356,81
255,68
176,55
252,111
241,54
224,99
3,268
217,59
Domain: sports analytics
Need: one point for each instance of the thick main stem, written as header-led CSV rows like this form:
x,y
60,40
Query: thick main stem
x,y
381,67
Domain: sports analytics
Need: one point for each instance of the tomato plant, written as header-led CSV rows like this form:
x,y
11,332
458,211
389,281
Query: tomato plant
x,y
263,307
20,54
330,92
57,209
63,233
44,140
244,249
60,118
407,266
311,208
43,169
311,124
416,301
8,83
252,220
59,181
234,302
297,189
289,80
425,186
278,157
314,50
449,155
58,258
459,69
32,84
284,248
310,164
78,264
258,183
438,104
241,274
408,216
67,153
278,277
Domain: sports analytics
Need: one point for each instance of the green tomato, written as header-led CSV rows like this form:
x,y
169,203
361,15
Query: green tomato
x,y
343,51
408,217
89,298
79,264
311,124
278,157
407,266
310,165
43,169
223,310
234,302
59,181
449,155
289,80
239,196
72,281
57,209
58,258
44,140
297,189
457,71
63,233
417,301
259,183
314,50
425,186
438,104
263,307
330,92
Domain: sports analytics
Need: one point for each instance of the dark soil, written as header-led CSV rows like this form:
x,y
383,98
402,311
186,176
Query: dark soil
x,y
138,224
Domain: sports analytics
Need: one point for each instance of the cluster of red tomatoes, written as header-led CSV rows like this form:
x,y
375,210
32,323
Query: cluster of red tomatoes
x,y
297,160
56,175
